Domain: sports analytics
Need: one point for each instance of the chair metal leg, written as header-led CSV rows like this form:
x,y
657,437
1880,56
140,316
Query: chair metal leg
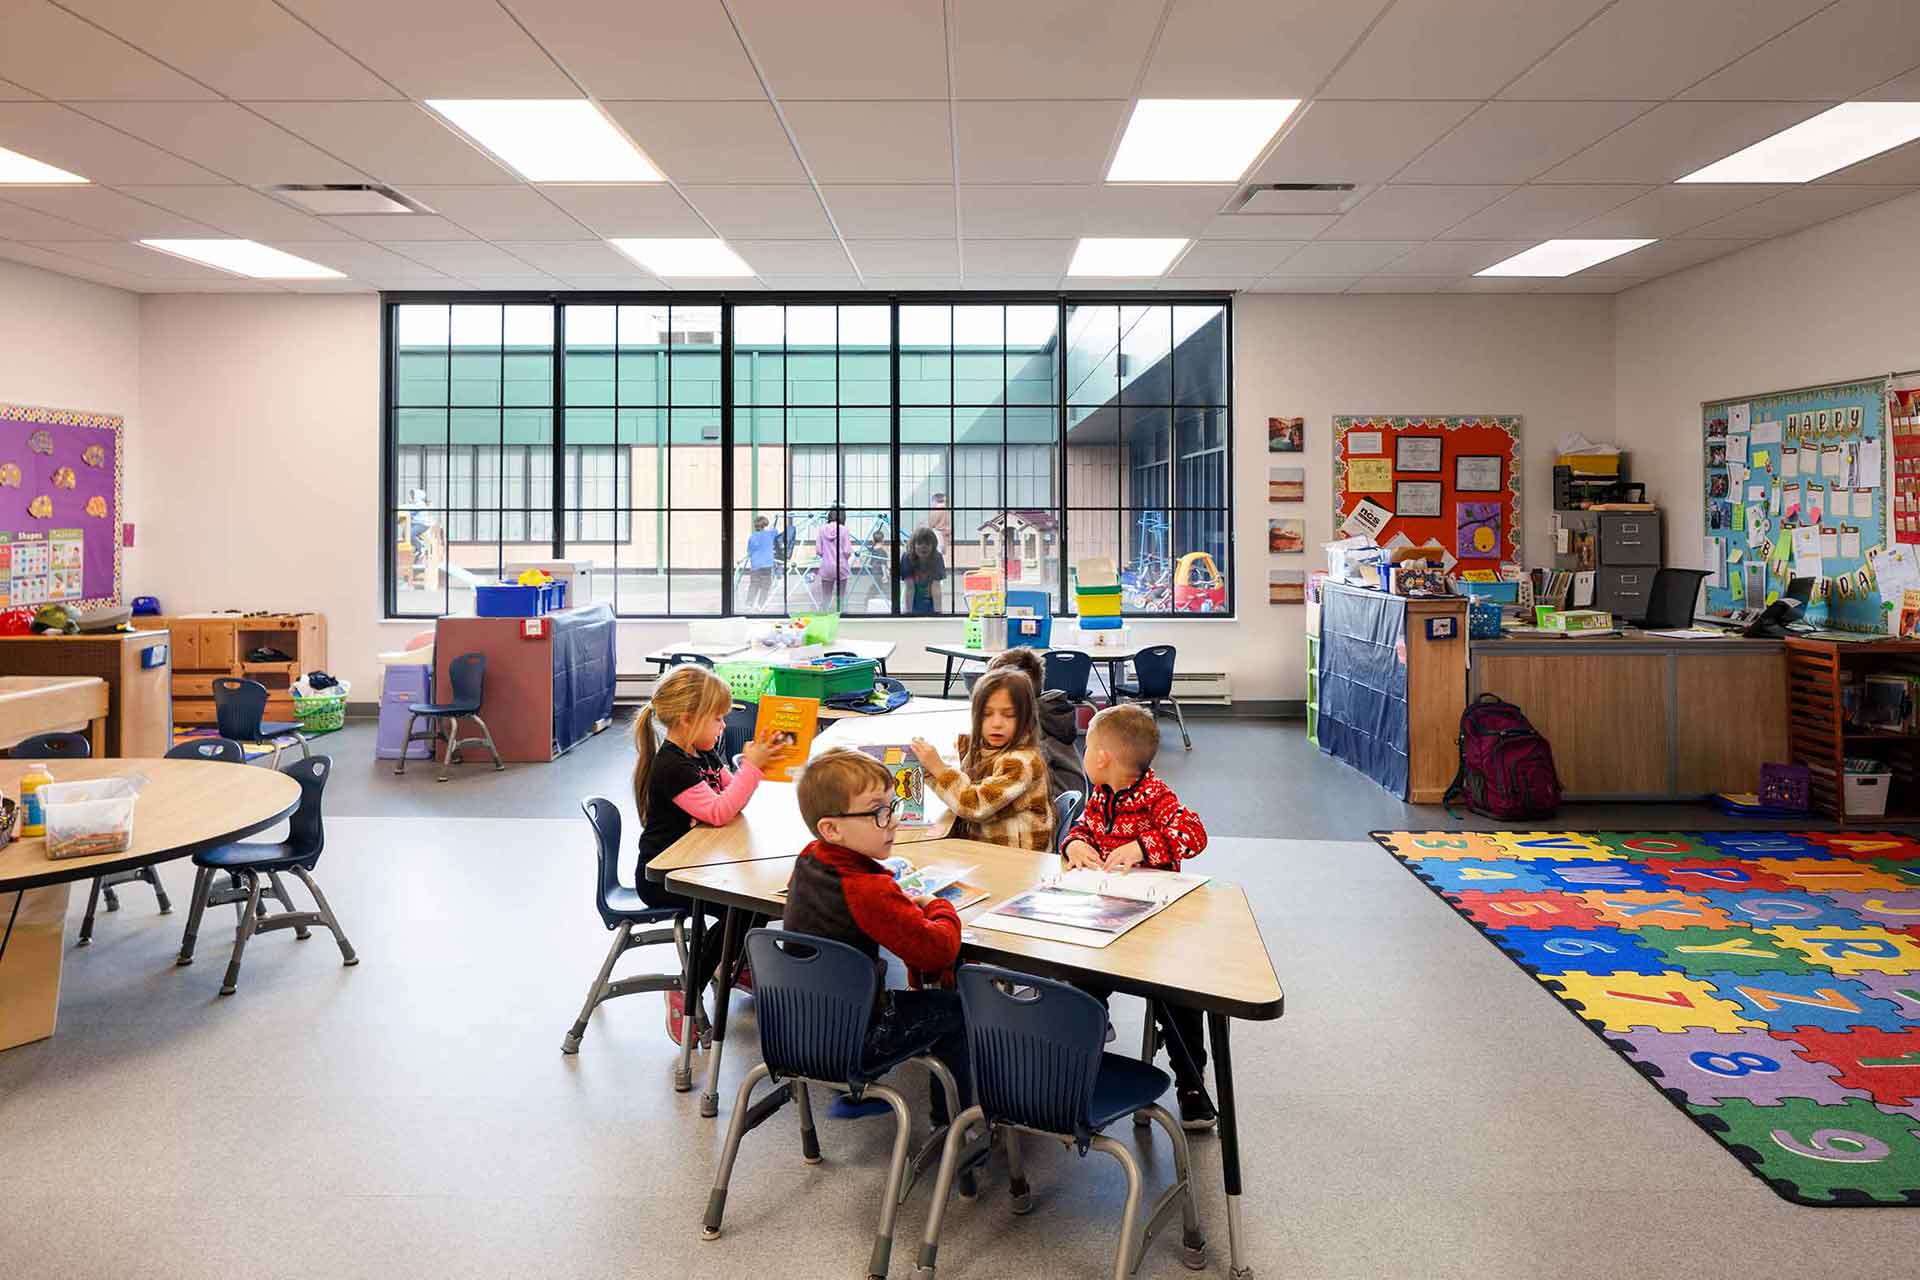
x,y
729,957
736,1129
1017,1188
690,993
809,1140
572,1042
487,734
896,1175
86,921
279,890
152,876
1181,718
1126,1253
1148,1046
327,918
248,919
202,887
1193,1245
400,766
446,754
943,1188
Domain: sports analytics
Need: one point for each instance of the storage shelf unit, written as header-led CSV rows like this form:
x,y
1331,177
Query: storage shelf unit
x,y
208,645
1816,725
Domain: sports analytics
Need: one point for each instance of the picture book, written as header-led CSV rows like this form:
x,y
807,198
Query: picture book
x,y
1088,906
792,721
909,780
947,882
1074,909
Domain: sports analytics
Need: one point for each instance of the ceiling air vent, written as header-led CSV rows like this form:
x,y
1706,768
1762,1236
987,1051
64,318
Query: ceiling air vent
x,y
1297,197
341,199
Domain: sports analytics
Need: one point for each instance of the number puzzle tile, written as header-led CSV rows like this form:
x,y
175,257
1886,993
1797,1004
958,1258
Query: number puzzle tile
x,y
1643,845
1550,952
1792,1001
1576,875
1862,949
1482,875
1907,873
1657,1001
1826,875
1890,909
1868,845
1852,1152
1708,1067
1554,845
1425,846
1667,908
1883,1064
1761,909
1722,873
1699,951
1765,844
1520,909
1901,988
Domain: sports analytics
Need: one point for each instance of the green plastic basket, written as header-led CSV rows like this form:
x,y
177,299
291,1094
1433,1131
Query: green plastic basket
x,y
822,628
748,680
842,675
321,714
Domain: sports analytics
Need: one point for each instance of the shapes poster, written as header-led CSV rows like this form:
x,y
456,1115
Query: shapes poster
x,y
61,479
1452,480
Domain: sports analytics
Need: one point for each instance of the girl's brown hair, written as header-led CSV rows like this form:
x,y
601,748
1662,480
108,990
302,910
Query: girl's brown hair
x,y
689,692
1026,718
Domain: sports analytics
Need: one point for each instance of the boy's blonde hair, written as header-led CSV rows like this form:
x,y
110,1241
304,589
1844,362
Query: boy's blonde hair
x,y
687,692
832,779
1021,658
1129,731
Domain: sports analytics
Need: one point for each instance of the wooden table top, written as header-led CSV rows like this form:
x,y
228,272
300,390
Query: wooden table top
x,y
878,650
941,727
186,806
1099,653
1204,951
22,688
768,828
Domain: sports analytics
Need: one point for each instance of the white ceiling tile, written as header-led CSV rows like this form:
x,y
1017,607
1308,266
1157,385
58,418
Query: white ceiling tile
x,y
243,48
811,283
108,211
1064,49
1013,284
56,54
440,48
1675,138
634,280
904,257
1224,284
861,142
411,226
1904,87
618,49
793,257
398,143
1016,257
904,283
1128,284
510,281
649,209
10,92
1303,284
238,211
1249,258
718,284
1358,141
752,212
1454,257
57,135
1402,284
1647,49
1667,256
358,259
1542,211
1792,210
1269,226
1023,210
573,258
1672,210
1417,36
1837,53
1036,141
348,285
1585,284
462,257
1153,211
49,259
1350,258
1411,212
1896,168
1513,141
138,259
712,141
501,213
847,48
1499,284
892,213
1254,48
226,139
17,222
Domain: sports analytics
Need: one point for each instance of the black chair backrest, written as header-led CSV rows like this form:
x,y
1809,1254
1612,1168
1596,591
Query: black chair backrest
x,y
812,998
306,836
1068,670
53,746
1035,1046
237,707
1672,600
468,676
225,750
1066,811
604,815
1153,668
695,659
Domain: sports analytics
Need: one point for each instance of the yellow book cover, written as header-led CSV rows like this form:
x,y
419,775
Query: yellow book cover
x,y
793,722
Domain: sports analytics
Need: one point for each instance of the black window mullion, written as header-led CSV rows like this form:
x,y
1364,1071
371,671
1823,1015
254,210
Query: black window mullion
x,y
726,461
1060,412
898,542
557,446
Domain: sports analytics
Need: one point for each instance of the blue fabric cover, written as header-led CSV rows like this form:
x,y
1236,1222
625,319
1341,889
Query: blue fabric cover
x,y
583,672
1363,683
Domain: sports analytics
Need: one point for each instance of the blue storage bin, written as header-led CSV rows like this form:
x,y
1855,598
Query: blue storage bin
x,y
509,600
1036,631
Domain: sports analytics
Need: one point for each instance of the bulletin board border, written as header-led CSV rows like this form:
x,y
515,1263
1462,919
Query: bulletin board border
x,y
31,413
1510,423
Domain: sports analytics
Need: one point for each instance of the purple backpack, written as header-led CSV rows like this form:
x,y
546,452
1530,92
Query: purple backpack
x,y
1506,767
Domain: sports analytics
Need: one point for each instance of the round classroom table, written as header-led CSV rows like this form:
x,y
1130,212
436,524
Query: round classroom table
x,y
186,806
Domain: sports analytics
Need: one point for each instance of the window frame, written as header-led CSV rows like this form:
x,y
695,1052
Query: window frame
x,y
1063,302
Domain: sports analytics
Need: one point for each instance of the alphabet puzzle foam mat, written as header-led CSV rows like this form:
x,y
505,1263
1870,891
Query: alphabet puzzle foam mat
x,y
1767,982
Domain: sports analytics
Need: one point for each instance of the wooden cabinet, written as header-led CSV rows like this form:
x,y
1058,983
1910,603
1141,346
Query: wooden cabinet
x,y
134,665
209,645
1824,736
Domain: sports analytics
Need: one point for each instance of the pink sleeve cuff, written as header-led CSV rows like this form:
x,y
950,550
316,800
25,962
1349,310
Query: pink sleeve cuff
x,y
718,808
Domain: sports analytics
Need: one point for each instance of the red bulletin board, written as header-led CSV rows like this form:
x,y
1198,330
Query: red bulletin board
x,y
1464,521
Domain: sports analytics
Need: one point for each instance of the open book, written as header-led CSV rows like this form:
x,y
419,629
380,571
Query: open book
x,y
947,882
1089,907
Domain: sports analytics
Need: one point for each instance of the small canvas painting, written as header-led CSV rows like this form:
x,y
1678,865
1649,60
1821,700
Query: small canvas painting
x,y
1478,526
1286,536
1286,484
1286,435
1286,586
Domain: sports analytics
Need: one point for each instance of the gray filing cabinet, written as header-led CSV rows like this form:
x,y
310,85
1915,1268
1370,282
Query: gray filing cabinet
x,y
1630,554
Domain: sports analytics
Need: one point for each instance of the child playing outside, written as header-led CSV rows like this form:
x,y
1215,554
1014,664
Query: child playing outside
x,y
922,566
1133,819
1059,723
759,563
681,781
999,792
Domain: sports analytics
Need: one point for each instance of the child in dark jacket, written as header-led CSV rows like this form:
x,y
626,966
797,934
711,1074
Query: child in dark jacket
x,y
1133,819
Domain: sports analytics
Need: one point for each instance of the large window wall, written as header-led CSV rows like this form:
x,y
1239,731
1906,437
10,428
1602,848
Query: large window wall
x,y
656,437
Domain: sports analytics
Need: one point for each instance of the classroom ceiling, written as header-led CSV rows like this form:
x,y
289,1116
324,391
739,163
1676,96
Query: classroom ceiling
x,y
910,144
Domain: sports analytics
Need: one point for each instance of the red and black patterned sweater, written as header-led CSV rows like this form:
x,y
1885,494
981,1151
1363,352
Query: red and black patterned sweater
x,y
1148,811
837,893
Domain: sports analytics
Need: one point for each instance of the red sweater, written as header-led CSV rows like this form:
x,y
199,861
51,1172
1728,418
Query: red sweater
x,y
1147,811
837,893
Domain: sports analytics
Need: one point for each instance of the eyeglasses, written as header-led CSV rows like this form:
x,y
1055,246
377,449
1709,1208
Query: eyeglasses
x,y
883,817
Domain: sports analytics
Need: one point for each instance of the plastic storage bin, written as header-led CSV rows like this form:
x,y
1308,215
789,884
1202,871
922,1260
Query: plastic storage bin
x,y
1035,629
825,677
819,628
320,713
402,683
1865,795
511,600
85,819
748,680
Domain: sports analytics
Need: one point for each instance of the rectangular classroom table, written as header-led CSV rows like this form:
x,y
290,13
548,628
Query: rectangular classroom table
x,y
958,656
32,705
911,707
878,650
1205,952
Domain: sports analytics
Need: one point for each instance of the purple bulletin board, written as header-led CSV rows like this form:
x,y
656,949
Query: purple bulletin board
x,y
60,489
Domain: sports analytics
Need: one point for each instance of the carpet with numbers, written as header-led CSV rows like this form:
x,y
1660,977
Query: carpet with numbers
x,y
1767,982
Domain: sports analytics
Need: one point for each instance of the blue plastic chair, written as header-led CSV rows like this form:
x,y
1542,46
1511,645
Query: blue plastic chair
x,y
623,910
1038,1067
690,659
1066,811
1069,671
251,861
216,750
1153,684
814,999
238,706
468,676
76,746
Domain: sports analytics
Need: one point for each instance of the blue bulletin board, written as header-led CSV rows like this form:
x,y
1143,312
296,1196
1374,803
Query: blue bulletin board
x,y
1796,487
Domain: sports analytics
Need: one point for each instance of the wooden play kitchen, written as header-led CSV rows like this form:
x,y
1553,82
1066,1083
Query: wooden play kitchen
x,y
209,645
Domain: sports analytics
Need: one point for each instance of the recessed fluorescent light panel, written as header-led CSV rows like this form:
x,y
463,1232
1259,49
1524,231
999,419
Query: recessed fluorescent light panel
x,y
19,170
549,140
1561,257
1197,139
1123,257
684,258
245,258
1834,139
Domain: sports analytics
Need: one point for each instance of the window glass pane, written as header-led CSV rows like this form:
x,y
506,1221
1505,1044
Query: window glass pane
x,y
1146,343
1200,562
1200,462
759,569
472,562
1147,453
419,552
1093,532
1093,353
694,562
420,355
696,355
640,578
1146,566
590,363
865,426
1200,355
1033,377
694,460
926,363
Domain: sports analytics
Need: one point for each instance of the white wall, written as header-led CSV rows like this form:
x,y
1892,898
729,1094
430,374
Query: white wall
x,y
1829,304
